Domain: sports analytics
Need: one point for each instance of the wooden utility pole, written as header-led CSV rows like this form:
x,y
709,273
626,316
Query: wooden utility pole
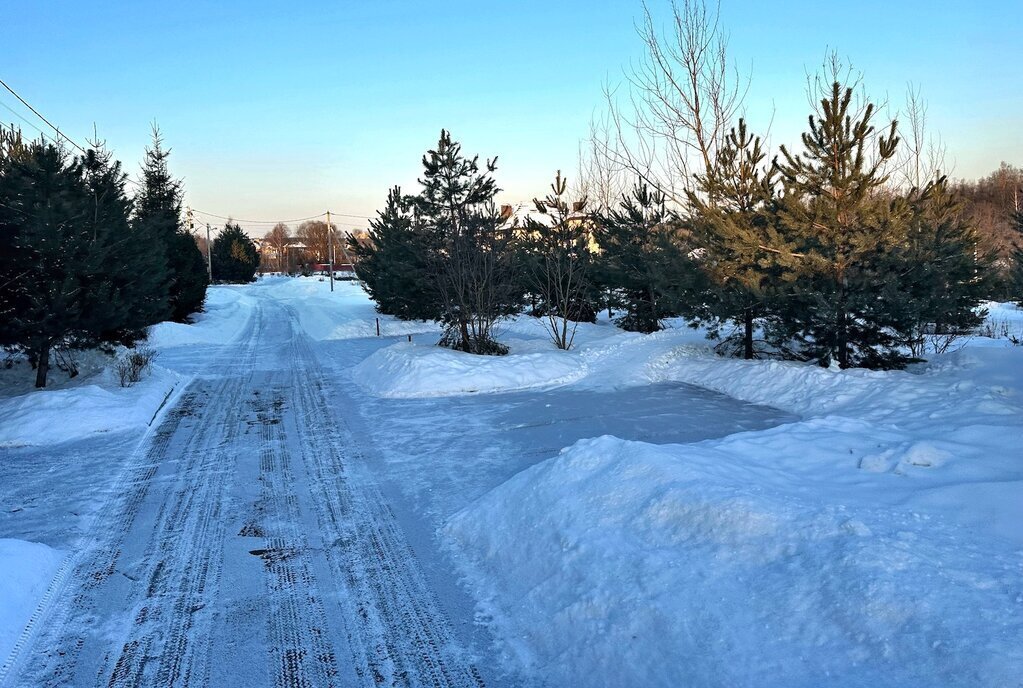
x,y
209,254
330,251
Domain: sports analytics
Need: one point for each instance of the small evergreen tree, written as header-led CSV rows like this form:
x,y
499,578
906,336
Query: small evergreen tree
x,y
115,306
47,208
472,265
180,289
235,258
1016,268
734,219
64,223
557,262
938,278
834,208
396,265
646,262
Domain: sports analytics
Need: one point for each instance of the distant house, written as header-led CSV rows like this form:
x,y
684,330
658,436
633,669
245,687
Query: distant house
x,y
272,259
516,215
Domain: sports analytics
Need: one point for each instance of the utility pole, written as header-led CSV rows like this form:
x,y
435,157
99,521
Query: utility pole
x,y
330,251
209,254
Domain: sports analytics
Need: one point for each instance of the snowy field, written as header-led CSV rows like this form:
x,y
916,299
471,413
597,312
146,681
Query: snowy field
x,y
637,511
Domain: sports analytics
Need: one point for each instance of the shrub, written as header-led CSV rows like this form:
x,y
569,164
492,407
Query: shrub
x,y
134,365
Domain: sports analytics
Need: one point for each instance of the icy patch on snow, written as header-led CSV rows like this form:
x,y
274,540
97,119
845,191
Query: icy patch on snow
x,y
50,416
639,565
405,371
26,569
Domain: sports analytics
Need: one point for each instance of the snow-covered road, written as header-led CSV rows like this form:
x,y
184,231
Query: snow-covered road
x,y
244,545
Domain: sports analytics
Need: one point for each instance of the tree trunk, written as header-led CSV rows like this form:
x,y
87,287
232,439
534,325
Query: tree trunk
x,y
842,336
42,364
463,329
747,336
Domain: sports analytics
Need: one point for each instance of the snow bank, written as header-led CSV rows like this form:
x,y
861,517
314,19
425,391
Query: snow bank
x,y
638,565
52,416
875,541
987,380
26,569
407,370
226,312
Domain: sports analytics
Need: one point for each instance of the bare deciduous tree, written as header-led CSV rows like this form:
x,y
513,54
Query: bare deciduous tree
x,y
317,239
277,241
922,157
682,98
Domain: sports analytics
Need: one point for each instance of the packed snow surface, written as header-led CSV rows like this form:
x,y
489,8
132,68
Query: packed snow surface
x,y
25,572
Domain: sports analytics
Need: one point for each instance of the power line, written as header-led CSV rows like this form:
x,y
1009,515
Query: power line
x,y
138,185
256,222
39,115
23,118
361,217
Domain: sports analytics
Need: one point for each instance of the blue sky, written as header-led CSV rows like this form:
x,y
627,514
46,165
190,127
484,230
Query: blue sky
x,y
281,110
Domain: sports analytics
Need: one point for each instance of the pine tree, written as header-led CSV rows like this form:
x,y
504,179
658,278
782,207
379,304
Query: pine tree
x,y
557,262
180,289
473,266
1016,268
235,258
734,219
395,266
834,208
646,262
937,279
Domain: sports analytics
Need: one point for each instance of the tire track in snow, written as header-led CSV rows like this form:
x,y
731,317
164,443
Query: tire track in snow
x,y
400,635
158,605
302,655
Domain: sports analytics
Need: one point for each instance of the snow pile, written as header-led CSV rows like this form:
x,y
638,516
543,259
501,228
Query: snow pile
x,y
26,569
639,565
225,314
407,370
875,541
988,380
50,416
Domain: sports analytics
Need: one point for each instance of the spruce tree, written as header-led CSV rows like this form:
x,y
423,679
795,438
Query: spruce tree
x,y
180,288
235,258
115,305
61,219
835,209
396,265
646,262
